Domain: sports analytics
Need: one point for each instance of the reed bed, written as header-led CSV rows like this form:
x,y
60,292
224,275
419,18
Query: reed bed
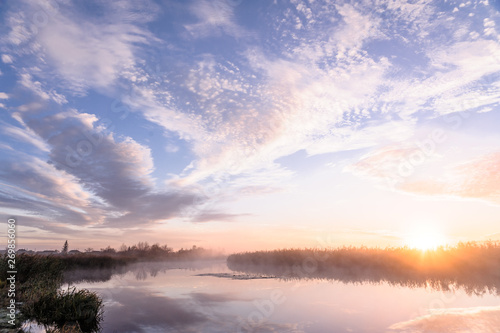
x,y
473,267
39,279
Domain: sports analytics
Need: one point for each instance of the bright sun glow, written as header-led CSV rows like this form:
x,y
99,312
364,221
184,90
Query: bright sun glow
x,y
425,238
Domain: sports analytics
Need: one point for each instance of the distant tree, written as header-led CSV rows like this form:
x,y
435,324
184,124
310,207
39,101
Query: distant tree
x,y
65,248
143,246
155,249
89,249
123,248
109,249
167,249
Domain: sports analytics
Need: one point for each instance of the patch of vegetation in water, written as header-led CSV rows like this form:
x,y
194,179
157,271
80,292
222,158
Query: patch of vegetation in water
x,y
237,276
72,306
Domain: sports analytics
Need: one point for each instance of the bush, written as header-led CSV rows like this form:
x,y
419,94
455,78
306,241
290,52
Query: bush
x,y
82,306
39,279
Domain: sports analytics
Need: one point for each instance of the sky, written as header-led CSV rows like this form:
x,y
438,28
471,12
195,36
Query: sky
x,y
240,125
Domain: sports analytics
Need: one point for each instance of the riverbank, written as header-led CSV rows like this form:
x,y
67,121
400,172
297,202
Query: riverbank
x,y
40,277
39,298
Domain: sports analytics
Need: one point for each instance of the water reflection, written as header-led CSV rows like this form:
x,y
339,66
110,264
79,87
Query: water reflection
x,y
141,270
137,311
172,297
470,281
206,297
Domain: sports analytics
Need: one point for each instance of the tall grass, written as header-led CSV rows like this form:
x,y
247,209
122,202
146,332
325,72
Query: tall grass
x,y
71,306
36,276
474,267
38,281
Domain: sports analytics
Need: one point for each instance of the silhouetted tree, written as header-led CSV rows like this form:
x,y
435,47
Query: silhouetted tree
x,y
108,249
65,248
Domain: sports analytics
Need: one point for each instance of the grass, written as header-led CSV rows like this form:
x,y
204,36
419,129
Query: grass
x,y
473,267
36,276
37,288
71,306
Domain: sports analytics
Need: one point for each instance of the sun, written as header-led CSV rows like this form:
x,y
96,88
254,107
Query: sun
x,y
425,238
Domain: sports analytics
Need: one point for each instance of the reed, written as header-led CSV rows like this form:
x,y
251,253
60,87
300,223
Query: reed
x,y
57,309
39,280
473,267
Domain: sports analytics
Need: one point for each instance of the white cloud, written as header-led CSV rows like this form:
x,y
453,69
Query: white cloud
x,y
214,18
475,179
356,30
170,148
419,169
209,80
44,181
25,135
472,59
90,55
3,95
19,32
76,52
322,90
352,138
88,165
7,59
37,87
415,17
489,27
41,194
301,100
457,79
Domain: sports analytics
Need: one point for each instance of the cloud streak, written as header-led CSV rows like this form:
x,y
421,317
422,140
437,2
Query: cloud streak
x,y
398,167
90,170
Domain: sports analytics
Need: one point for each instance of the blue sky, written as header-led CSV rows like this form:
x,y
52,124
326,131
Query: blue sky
x,y
242,124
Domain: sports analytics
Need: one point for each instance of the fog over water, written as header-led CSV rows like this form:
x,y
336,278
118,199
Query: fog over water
x,y
472,268
208,296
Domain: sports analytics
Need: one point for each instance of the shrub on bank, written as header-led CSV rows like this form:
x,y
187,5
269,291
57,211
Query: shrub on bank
x,y
37,288
82,306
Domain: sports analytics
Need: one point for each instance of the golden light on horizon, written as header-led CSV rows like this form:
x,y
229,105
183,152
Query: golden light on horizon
x,y
426,238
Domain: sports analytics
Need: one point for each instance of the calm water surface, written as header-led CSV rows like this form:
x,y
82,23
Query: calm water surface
x,y
151,297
